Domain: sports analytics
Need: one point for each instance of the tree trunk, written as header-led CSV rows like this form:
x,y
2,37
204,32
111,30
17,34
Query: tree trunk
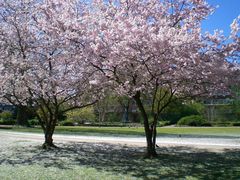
x,y
48,134
127,112
22,116
48,140
103,115
151,150
154,130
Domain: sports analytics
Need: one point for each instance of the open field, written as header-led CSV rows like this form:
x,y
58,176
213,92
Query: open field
x,y
22,158
203,131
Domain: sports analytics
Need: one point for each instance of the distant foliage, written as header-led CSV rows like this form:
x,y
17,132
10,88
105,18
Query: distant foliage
x,y
82,115
193,120
33,122
68,123
6,115
8,122
175,111
6,118
236,124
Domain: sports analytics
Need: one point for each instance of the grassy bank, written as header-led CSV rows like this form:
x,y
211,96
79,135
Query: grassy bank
x,y
216,131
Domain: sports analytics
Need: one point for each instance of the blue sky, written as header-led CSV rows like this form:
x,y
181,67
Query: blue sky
x,y
223,15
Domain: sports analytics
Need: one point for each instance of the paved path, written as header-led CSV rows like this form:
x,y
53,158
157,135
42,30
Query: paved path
x,y
202,142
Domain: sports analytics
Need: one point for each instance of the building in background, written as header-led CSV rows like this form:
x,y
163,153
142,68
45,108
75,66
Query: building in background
x,y
7,107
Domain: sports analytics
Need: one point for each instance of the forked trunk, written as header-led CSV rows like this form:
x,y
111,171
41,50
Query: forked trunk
x,y
149,130
151,148
48,119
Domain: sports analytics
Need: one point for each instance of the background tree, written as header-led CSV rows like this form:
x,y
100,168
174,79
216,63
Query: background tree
x,y
104,106
81,116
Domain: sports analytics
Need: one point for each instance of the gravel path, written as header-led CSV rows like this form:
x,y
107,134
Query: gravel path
x,y
198,142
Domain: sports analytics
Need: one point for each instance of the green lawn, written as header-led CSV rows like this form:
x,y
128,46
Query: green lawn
x,y
216,131
21,160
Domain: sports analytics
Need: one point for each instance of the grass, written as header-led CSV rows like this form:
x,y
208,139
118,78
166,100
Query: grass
x,y
37,172
23,159
94,161
214,131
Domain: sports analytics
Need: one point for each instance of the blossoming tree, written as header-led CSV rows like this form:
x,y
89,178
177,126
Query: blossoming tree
x,y
38,63
55,52
156,48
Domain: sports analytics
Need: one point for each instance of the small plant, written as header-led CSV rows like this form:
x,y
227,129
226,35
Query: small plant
x,y
193,120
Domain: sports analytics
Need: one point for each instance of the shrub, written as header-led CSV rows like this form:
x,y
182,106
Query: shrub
x,y
236,124
207,124
33,122
193,120
6,115
6,118
114,117
68,123
163,123
81,115
222,124
7,122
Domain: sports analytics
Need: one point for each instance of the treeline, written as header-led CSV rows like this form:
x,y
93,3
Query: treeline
x,y
114,110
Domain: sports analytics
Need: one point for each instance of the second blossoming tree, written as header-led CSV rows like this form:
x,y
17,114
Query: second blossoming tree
x,y
155,48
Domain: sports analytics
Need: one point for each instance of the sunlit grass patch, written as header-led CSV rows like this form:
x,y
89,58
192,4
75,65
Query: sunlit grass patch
x,y
138,131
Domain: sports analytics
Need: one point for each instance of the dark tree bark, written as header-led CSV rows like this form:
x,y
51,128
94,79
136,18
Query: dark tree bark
x,y
149,130
48,116
154,130
23,114
48,134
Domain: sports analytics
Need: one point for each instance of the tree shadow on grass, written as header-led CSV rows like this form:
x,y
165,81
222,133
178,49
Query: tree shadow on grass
x,y
172,162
